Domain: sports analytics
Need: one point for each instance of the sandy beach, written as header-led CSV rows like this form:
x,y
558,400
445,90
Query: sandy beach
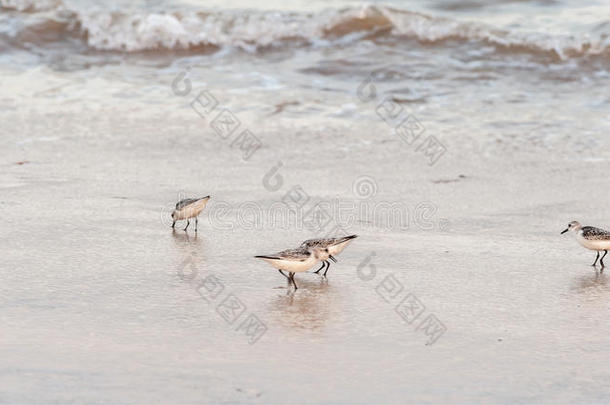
x,y
457,161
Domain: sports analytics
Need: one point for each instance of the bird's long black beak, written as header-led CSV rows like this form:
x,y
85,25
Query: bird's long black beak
x,y
567,229
331,257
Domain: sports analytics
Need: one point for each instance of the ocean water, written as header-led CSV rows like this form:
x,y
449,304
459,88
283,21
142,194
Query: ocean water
x,y
456,138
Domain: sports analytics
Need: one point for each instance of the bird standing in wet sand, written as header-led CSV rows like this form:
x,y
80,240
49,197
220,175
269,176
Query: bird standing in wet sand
x,y
295,260
333,245
189,208
592,238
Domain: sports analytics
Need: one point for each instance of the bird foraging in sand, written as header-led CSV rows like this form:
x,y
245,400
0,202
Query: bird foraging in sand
x,y
592,238
295,260
189,208
333,245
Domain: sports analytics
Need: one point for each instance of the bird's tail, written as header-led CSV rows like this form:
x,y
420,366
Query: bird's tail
x,y
346,238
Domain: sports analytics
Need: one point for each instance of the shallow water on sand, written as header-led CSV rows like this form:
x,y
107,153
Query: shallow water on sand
x,y
102,302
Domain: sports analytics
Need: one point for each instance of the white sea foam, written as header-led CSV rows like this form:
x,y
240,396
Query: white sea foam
x,y
30,5
252,30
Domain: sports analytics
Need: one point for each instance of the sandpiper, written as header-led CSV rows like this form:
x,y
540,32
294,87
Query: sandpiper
x,y
333,245
592,238
189,208
295,260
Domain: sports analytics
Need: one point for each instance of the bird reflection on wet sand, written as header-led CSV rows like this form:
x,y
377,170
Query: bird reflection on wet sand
x,y
592,281
182,238
309,308
190,256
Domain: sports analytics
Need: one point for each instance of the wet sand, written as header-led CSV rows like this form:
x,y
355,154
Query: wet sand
x,y
102,302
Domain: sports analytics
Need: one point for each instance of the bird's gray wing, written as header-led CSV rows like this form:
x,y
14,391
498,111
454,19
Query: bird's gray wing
x,y
187,201
592,233
310,242
293,254
317,242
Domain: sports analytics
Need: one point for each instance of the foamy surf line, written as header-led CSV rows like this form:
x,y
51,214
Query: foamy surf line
x,y
256,30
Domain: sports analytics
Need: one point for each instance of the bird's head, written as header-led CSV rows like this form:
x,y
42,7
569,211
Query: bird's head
x,y
319,253
573,226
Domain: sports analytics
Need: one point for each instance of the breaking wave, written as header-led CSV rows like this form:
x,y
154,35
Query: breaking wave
x,y
256,30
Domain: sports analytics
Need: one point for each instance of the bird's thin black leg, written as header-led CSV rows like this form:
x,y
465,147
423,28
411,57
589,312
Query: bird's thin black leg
x,y
602,259
187,224
327,267
282,273
196,223
293,282
596,257
174,224
323,264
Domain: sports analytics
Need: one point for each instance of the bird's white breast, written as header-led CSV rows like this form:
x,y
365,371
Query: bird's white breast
x,y
336,249
592,244
192,210
294,266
